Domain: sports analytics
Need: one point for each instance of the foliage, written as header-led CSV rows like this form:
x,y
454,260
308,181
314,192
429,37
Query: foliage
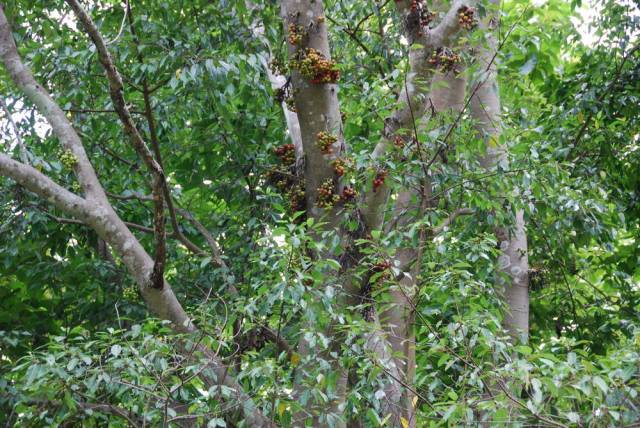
x,y
571,124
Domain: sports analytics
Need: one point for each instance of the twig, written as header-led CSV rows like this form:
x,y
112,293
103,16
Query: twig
x,y
451,218
124,18
155,141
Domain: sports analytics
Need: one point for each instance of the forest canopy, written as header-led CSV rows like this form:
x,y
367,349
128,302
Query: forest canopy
x,y
326,213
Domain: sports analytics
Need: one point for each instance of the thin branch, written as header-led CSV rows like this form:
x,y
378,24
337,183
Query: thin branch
x,y
411,107
155,142
124,19
116,91
116,156
177,233
215,248
132,419
604,93
353,35
450,219
130,225
159,85
444,145
136,196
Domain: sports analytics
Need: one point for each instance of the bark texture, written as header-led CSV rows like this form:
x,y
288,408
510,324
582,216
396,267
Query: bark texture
x,y
317,105
425,89
513,264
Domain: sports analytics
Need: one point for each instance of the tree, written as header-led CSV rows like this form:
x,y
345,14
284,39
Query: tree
x,y
373,269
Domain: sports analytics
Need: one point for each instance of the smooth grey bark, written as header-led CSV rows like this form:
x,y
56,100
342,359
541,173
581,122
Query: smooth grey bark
x,y
413,99
317,105
293,125
317,110
446,92
277,81
446,95
513,264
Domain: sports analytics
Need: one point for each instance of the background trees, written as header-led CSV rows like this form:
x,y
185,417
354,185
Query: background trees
x,y
351,265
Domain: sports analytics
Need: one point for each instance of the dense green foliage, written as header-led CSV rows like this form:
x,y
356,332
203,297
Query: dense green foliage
x,y
74,332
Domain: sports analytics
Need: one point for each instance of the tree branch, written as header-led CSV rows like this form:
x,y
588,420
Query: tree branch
x,y
85,110
215,248
277,82
116,88
411,101
317,104
99,214
177,233
61,126
450,219
43,186
136,196
155,145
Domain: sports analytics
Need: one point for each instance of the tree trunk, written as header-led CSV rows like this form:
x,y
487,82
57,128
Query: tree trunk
x,y
513,264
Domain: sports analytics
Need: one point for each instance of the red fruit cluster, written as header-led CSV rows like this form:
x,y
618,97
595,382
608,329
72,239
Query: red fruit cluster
x,y
286,153
348,193
278,178
426,17
445,59
296,32
466,17
296,198
314,66
398,142
339,166
326,72
379,180
381,266
327,197
421,14
326,142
